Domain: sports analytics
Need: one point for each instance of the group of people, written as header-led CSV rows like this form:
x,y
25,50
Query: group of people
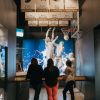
x,y
50,75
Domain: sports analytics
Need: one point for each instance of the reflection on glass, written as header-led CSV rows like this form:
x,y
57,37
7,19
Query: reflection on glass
x,y
2,61
1,94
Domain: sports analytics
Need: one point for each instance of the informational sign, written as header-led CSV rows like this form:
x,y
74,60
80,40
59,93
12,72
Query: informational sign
x,y
19,32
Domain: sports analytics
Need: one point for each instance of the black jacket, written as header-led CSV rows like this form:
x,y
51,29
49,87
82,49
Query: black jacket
x,y
35,74
51,76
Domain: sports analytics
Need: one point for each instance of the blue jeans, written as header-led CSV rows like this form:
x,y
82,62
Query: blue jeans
x,y
69,86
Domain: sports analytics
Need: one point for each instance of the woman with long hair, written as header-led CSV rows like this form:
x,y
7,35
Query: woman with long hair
x,y
51,74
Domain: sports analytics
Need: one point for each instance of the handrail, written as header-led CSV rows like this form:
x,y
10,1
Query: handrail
x,y
76,78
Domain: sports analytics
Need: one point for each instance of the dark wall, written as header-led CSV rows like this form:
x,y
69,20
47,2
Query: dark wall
x,y
97,61
85,64
90,15
88,20
8,20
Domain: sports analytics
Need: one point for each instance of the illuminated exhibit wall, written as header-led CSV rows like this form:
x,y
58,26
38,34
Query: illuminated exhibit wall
x,y
2,61
36,48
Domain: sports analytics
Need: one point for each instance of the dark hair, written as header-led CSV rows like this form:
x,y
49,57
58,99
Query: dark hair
x,y
50,64
34,61
68,63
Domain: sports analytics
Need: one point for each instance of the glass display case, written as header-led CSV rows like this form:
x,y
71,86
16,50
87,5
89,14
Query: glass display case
x,y
3,71
3,62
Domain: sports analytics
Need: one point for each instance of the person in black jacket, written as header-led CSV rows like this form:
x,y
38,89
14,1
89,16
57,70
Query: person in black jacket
x,y
35,74
51,74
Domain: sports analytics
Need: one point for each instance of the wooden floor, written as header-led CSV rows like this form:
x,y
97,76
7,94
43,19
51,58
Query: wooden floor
x,y
43,95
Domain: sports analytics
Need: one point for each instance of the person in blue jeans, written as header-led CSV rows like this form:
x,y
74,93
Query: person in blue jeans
x,y
35,74
70,83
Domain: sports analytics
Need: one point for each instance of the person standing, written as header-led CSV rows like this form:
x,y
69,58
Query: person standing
x,y
35,74
70,83
51,74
